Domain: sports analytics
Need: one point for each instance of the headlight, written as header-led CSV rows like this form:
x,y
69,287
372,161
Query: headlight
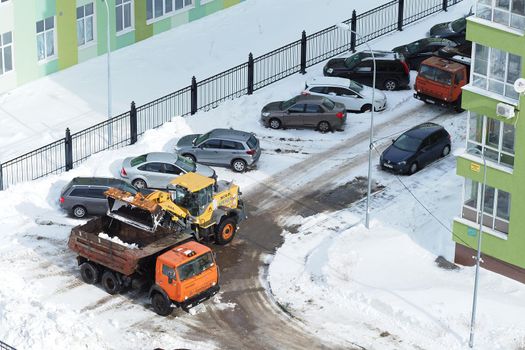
x,y
402,163
265,114
330,70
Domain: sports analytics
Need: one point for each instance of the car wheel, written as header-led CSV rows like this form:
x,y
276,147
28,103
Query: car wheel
x,y
238,165
79,212
324,126
89,273
190,156
445,151
366,108
110,283
275,123
139,183
413,168
161,305
390,85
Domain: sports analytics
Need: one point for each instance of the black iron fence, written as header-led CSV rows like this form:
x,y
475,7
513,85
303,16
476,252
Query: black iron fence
x,y
4,346
256,73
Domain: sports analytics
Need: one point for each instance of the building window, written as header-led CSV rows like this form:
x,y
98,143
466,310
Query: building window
x,y
6,52
159,8
124,14
496,212
85,20
510,13
496,70
495,139
45,38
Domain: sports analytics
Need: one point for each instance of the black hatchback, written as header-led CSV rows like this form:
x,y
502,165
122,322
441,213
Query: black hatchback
x,y
392,71
416,148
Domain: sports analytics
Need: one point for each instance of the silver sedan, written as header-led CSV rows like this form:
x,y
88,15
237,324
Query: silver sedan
x,y
157,169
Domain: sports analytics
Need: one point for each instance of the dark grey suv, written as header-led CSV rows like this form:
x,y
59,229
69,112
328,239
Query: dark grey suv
x,y
85,195
237,149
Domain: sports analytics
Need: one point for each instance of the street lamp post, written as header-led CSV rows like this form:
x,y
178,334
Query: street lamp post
x,y
110,129
478,257
346,27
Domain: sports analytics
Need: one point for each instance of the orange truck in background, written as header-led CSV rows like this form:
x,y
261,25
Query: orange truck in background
x,y
439,81
174,268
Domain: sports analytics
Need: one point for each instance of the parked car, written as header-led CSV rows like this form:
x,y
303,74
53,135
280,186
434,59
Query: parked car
x,y
461,53
420,50
355,96
305,111
416,148
84,196
454,30
392,71
157,169
224,147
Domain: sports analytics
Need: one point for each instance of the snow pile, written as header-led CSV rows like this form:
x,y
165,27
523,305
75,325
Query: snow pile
x,y
117,240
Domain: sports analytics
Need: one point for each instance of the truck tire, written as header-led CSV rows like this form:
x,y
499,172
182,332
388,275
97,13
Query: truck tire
x,y
226,231
161,304
89,273
110,283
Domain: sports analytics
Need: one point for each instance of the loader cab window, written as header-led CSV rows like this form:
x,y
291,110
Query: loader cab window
x,y
194,202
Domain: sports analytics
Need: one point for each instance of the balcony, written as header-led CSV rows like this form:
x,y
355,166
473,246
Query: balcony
x,y
510,13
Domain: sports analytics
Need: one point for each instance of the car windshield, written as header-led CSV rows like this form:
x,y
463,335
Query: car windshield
x,y
407,143
328,104
354,85
414,47
200,139
351,61
127,187
138,160
288,104
185,164
458,25
195,267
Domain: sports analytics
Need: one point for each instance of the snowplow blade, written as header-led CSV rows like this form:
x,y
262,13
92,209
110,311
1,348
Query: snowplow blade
x,y
136,210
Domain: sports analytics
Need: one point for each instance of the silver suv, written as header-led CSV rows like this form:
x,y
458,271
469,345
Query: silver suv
x,y
224,147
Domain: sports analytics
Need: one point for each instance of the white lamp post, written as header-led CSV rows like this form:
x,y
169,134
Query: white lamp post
x,y
110,129
478,257
346,27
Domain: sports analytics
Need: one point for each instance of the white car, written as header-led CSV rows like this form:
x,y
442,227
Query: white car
x,y
355,96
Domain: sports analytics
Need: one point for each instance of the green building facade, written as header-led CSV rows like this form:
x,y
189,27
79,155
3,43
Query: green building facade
x,y
40,37
497,31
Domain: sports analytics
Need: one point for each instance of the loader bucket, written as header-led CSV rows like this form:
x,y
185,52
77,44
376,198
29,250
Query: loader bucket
x,y
135,210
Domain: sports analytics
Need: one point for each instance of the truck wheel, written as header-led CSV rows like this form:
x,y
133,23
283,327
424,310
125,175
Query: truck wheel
x,y
110,283
161,305
225,231
89,273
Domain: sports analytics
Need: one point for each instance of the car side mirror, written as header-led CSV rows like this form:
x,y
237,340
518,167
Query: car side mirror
x,y
170,280
393,140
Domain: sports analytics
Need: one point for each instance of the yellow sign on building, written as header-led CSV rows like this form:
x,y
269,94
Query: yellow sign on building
x,y
475,167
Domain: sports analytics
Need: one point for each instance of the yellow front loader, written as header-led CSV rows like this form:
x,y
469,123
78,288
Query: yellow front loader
x,y
213,210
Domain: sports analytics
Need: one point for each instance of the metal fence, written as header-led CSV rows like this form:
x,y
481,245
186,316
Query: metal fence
x,y
4,346
256,73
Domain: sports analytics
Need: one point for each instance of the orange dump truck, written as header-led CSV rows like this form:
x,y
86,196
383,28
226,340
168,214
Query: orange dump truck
x,y
439,81
171,265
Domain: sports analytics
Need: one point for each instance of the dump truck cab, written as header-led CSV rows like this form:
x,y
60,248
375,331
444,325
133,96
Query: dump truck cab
x,y
184,275
439,81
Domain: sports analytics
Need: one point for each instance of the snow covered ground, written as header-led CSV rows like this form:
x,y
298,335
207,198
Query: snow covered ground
x,y
39,112
332,274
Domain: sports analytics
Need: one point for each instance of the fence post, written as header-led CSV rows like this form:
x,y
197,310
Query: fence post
x,y
353,28
303,53
1,178
133,123
400,11
68,150
250,74
445,5
193,92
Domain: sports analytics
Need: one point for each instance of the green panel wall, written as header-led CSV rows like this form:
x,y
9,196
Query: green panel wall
x,y
66,33
493,37
142,30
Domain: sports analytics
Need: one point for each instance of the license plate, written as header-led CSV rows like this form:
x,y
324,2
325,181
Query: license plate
x,y
388,165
